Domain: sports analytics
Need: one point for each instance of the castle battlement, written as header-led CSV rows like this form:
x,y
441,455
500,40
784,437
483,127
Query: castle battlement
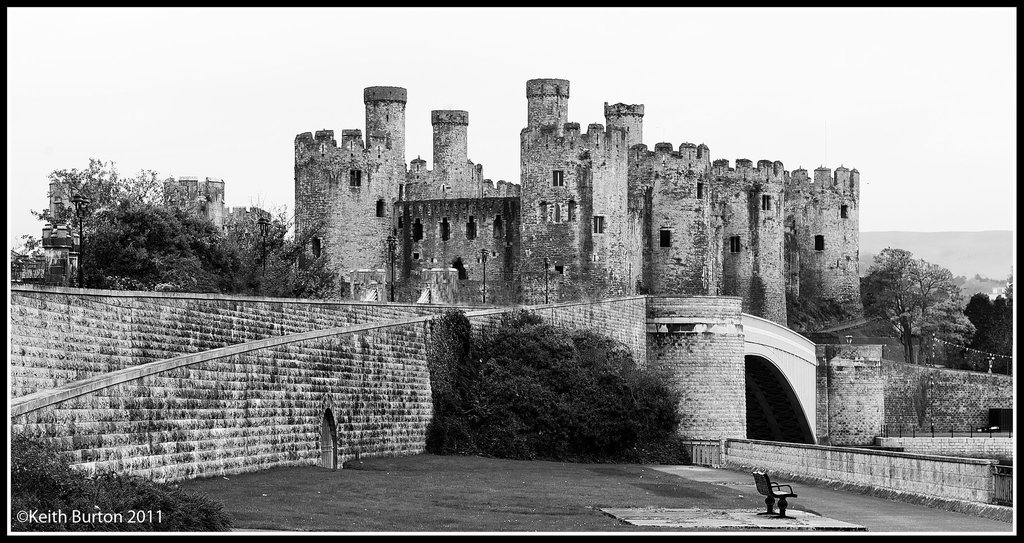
x,y
610,214
547,87
385,94
449,116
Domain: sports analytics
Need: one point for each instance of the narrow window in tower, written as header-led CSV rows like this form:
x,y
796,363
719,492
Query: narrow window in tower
x,y
560,270
819,243
316,247
557,178
734,244
355,178
700,191
445,229
543,212
499,228
415,256
380,208
417,230
766,202
471,228
599,224
666,238
558,212
399,223
572,210
844,212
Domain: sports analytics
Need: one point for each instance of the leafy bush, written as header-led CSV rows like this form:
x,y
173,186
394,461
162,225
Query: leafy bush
x,y
525,389
42,480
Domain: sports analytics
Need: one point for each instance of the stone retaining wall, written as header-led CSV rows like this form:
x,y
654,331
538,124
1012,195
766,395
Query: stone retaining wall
x,y
930,476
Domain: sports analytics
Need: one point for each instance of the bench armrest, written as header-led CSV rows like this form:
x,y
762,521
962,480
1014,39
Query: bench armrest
x,y
777,485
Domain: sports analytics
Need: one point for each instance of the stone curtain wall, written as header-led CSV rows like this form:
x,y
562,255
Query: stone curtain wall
x,y
980,446
699,341
622,319
183,413
62,335
249,411
938,477
918,397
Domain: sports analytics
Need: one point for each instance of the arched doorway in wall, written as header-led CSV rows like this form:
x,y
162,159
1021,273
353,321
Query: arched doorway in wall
x,y
458,265
773,410
328,441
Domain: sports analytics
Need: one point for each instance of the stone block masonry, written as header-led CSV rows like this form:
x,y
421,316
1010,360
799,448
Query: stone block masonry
x,y
244,384
62,335
917,397
979,446
901,475
698,341
850,394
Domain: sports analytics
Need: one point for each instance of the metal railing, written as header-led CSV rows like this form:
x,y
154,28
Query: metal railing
x,y
1003,476
704,452
933,430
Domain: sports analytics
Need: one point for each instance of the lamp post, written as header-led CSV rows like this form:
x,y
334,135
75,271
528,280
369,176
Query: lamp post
x,y
392,244
483,260
264,224
81,202
545,279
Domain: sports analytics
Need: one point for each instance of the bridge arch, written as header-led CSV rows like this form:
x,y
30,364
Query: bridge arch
x,y
780,380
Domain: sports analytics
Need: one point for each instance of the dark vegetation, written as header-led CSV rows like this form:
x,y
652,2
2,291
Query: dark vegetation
x,y
525,389
42,480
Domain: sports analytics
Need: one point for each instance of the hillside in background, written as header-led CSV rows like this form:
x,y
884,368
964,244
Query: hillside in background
x,y
988,254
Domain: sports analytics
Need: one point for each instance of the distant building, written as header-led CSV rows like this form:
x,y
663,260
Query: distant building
x,y
207,195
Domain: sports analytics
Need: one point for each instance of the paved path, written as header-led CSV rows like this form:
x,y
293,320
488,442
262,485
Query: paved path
x,y
875,514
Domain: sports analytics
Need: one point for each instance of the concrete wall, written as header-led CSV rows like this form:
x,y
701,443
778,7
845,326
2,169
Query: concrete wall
x,y
979,446
939,477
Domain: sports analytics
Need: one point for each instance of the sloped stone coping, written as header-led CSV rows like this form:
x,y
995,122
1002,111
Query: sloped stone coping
x,y
38,400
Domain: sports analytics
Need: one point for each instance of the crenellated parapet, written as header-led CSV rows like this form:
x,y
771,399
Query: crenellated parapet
x,y
823,236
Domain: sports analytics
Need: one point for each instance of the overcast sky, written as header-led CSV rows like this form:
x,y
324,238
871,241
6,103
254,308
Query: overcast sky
x,y
921,102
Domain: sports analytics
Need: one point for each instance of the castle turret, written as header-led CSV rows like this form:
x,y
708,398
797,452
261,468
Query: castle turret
x,y
629,117
451,148
751,205
823,237
547,103
385,115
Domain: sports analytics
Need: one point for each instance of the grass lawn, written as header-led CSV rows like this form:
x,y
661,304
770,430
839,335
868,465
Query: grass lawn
x,y
428,493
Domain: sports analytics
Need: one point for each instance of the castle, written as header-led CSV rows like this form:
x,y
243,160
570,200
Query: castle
x,y
596,214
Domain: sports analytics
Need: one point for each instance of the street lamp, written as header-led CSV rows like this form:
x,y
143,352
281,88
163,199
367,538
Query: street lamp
x,y
264,224
81,202
392,244
545,279
483,260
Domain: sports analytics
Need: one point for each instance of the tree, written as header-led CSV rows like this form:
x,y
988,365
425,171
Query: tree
x,y
993,320
919,298
284,276
145,246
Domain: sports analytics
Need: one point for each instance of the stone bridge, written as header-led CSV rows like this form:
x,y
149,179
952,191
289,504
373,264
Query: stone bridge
x,y
174,386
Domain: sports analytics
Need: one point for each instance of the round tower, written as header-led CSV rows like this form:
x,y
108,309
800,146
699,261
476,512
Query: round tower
x,y
629,117
385,116
451,147
753,236
547,103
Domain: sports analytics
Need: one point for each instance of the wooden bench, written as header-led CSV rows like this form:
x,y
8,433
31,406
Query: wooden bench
x,y
766,487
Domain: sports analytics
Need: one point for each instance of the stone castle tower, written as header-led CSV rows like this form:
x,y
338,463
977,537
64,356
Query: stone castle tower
x,y
596,213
